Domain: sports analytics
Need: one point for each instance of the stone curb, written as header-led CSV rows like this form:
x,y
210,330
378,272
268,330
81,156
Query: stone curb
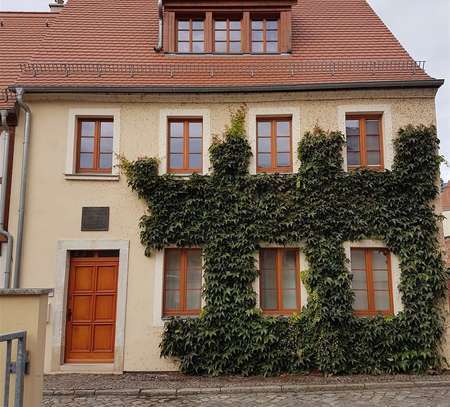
x,y
288,388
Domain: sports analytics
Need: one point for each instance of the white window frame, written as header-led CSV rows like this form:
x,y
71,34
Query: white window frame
x,y
395,267
164,116
385,112
71,150
255,111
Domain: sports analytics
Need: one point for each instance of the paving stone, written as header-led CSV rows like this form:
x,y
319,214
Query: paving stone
x,y
198,390
401,397
158,392
117,392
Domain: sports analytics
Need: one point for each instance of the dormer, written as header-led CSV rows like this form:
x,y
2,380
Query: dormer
x,y
256,27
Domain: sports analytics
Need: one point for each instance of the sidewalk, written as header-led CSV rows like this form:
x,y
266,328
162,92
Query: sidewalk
x,y
176,384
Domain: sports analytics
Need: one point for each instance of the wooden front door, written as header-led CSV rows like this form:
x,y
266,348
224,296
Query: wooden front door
x,y
91,309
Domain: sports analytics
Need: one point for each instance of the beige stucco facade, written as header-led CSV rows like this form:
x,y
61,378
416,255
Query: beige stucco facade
x,y
55,196
25,311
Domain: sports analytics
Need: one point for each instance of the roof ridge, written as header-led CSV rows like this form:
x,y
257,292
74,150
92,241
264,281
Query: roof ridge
x,y
29,13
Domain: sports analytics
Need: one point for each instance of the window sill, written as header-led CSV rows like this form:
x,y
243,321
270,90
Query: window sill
x,y
167,318
91,177
227,54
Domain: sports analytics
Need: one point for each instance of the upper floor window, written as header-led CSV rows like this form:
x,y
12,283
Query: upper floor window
x,y
372,281
279,281
227,35
214,27
191,35
364,142
265,33
274,144
182,282
185,145
94,145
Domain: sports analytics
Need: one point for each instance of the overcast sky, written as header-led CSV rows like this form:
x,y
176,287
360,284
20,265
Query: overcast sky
x,y
422,26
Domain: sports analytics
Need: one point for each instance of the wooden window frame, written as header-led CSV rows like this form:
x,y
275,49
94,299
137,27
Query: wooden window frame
x,y
227,19
362,118
274,168
186,169
209,13
371,311
191,19
279,282
280,32
96,153
182,311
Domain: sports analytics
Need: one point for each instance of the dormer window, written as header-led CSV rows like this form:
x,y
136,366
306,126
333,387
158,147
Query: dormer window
x,y
191,35
212,27
227,35
265,35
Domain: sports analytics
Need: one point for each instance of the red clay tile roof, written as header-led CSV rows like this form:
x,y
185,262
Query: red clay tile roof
x,y
106,43
20,35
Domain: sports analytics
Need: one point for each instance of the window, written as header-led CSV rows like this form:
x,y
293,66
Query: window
x,y
182,282
274,145
279,281
95,145
372,281
191,35
227,35
265,35
364,142
185,146
218,28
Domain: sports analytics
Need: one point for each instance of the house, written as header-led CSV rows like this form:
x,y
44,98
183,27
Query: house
x,y
158,78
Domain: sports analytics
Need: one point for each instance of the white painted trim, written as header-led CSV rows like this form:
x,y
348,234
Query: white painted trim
x,y
395,266
288,110
164,115
71,136
109,178
60,302
158,285
388,131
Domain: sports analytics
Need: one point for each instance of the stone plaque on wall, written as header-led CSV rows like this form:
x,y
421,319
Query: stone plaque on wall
x,y
95,219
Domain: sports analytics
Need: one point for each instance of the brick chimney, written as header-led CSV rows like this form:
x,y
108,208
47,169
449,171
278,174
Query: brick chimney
x,y
57,6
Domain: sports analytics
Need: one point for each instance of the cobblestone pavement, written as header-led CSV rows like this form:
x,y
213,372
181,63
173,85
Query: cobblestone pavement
x,y
410,397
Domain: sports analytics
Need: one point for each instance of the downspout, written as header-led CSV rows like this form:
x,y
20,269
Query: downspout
x,y
159,47
23,186
9,243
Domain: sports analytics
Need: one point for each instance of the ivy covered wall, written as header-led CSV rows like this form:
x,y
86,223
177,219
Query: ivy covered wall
x,y
230,212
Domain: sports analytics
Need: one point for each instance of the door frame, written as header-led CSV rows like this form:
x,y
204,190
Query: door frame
x,y
59,306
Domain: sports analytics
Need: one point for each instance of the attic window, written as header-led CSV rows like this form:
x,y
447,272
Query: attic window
x,y
190,35
213,27
265,35
227,35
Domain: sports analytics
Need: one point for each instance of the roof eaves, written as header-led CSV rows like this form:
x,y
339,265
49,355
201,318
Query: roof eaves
x,y
408,84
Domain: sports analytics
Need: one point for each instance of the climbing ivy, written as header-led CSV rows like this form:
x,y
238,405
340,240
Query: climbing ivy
x,y
230,212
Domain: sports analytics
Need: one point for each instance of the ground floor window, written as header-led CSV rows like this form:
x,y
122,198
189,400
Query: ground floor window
x,y
280,281
182,282
372,281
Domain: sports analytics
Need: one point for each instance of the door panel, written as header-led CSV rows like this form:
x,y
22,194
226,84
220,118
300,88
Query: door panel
x,y
91,310
104,306
81,310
